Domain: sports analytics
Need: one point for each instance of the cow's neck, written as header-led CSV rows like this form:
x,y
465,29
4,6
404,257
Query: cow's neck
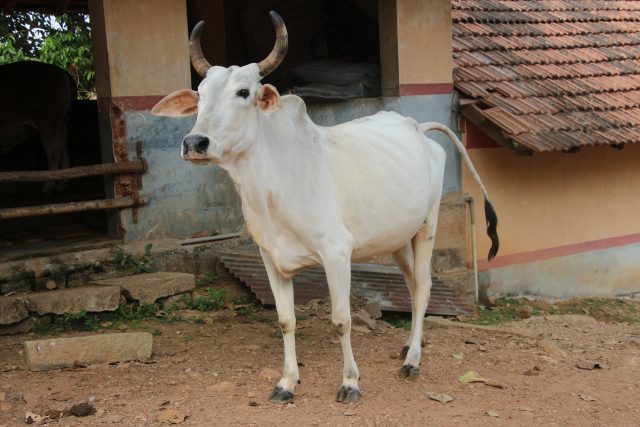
x,y
283,175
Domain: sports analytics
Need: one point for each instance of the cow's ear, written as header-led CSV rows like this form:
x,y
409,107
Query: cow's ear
x,y
177,104
268,98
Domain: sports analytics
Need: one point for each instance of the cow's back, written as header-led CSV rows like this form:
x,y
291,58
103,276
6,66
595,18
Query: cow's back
x,y
387,175
34,94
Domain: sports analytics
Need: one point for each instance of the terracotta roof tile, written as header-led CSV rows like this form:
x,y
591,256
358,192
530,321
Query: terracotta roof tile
x,y
552,75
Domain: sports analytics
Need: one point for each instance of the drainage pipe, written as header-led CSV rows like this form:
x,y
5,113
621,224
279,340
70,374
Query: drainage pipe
x,y
472,217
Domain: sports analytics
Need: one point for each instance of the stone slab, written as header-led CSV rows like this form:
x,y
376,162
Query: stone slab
x,y
74,300
21,327
149,287
57,353
12,310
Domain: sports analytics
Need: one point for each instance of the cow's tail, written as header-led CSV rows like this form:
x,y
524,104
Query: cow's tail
x,y
489,212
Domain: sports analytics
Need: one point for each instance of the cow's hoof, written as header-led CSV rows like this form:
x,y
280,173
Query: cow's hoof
x,y
403,353
280,395
348,394
409,371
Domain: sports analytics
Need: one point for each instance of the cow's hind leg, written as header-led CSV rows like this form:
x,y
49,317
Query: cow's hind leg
x,y
282,289
337,265
404,259
422,245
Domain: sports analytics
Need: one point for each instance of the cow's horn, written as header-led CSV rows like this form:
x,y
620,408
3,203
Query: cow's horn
x,y
276,56
200,64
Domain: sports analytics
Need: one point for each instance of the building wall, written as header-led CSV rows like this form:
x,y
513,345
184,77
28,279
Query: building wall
x,y
553,206
185,199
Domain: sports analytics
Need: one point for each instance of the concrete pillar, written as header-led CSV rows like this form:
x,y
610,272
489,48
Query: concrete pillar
x,y
140,46
415,47
141,53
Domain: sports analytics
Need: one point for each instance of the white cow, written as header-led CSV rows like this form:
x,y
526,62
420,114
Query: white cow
x,y
314,195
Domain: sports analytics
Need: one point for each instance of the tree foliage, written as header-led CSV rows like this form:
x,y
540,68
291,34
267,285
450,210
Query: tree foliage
x,y
64,41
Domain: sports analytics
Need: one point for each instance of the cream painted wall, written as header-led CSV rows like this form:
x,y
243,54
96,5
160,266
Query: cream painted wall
x,y
556,199
424,41
146,46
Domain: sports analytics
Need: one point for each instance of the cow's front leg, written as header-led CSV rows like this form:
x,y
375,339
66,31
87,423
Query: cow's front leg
x,y
282,289
338,270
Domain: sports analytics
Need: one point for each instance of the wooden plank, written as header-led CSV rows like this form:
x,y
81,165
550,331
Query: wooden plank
x,y
62,208
135,166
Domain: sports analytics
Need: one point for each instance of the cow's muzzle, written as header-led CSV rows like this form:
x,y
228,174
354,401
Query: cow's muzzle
x,y
194,148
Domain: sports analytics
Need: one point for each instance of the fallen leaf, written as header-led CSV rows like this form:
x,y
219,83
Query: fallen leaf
x,y
440,397
587,398
493,414
171,416
474,377
458,356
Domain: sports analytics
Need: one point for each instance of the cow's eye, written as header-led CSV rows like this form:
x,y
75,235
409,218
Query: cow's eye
x,y
243,93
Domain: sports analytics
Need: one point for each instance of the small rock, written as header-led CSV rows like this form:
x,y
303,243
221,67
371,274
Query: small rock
x,y
587,398
525,409
171,416
373,308
349,413
361,329
269,374
54,414
472,342
82,410
525,311
290,405
31,418
50,284
458,356
362,318
493,414
12,310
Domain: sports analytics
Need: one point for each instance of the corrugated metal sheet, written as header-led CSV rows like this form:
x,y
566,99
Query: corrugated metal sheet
x,y
372,281
555,75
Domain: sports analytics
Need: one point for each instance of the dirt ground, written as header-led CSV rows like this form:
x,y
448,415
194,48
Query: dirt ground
x,y
210,374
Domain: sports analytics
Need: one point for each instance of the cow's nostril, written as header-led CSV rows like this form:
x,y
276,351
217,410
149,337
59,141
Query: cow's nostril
x,y
202,145
195,142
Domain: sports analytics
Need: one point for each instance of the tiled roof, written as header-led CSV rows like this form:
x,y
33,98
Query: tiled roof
x,y
551,75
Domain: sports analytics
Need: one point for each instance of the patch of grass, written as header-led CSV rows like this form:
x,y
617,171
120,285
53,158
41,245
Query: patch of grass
x,y
247,310
603,309
398,321
213,300
207,278
142,263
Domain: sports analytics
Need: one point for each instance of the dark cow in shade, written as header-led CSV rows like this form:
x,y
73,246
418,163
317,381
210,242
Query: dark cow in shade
x,y
36,100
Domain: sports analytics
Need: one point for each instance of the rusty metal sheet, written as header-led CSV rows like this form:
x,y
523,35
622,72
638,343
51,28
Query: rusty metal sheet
x,y
382,283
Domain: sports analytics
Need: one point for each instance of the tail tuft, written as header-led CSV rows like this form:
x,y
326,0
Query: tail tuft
x,y
492,227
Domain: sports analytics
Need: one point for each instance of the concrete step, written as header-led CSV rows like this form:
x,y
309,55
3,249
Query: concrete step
x,y
74,300
147,288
